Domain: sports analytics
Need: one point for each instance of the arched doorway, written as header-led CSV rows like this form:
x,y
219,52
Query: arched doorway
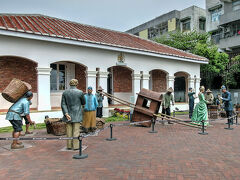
x,y
61,74
158,80
20,68
180,86
119,82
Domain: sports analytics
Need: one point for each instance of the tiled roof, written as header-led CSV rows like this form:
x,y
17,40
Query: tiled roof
x,y
57,28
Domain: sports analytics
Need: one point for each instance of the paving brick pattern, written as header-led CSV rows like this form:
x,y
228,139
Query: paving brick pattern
x,y
175,152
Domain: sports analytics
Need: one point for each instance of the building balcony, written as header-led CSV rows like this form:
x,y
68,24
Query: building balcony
x,y
229,41
229,17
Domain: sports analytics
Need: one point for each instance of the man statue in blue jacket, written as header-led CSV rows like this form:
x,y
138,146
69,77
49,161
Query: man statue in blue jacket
x,y
227,101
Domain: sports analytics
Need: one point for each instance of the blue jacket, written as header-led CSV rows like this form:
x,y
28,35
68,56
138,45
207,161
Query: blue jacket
x,y
20,108
91,102
227,101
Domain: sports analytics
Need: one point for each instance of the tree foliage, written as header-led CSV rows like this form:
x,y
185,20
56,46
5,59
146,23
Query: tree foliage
x,y
184,41
232,73
200,44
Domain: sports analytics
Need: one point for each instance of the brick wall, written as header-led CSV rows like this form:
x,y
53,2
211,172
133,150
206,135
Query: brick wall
x,y
181,74
122,79
159,81
80,75
13,67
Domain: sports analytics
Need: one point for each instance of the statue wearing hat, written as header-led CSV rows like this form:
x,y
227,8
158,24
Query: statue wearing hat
x,y
166,106
89,121
227,101
19,110
209,97
100,98
72,101
191,101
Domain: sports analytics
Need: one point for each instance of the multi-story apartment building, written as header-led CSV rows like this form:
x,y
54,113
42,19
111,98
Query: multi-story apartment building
x,y
223,21
191,18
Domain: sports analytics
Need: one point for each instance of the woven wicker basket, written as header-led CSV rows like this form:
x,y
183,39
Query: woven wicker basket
x,y
15,90
59,128
55,126
48,123
100,123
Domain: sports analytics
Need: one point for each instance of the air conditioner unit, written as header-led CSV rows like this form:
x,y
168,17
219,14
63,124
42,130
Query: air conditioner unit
x,y
227,29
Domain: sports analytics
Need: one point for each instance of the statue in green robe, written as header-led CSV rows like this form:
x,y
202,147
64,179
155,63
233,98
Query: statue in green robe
x,y
200,112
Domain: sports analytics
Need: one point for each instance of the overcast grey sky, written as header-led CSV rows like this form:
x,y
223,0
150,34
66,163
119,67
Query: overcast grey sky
x,y
119,15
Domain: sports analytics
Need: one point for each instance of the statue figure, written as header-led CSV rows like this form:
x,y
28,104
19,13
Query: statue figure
x,y
89,122
100,98
72,101
200,112
16,112
191,101
166,106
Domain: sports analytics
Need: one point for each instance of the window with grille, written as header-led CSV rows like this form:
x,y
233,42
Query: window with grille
x,y
57,77
215,14
202,23
236,5
186,25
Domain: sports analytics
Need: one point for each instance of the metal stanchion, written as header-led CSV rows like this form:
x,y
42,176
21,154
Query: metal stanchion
x,y
229,122
237,119
174,113
111,136
203,129
153,124
80,155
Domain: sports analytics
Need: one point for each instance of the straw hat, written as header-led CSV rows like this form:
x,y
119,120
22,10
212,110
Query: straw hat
x,y
100,88
170,89
208,91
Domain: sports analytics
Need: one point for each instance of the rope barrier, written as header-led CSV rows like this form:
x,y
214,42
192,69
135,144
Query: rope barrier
x,y
39,138
82,135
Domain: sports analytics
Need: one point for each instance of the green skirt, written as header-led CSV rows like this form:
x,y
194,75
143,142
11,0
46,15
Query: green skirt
x,y
200,113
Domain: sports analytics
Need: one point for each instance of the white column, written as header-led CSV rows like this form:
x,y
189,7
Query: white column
x,y
103,83
145,81
191,83
170,80
136,78
150,81
170,83
91,80
197,84
44,100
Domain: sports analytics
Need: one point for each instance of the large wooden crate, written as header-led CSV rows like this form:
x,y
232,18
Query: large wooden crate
x,y
15,90
55,126
213,111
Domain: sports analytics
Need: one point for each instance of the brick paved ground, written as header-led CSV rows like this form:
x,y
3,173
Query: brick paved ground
x,y
175,152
